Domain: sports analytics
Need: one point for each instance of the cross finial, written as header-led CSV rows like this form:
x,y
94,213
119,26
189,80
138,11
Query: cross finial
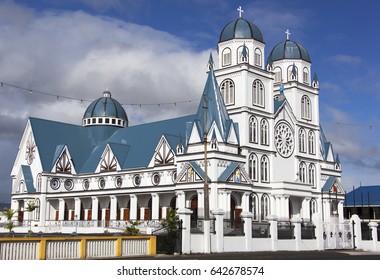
x,y
240,11
287,34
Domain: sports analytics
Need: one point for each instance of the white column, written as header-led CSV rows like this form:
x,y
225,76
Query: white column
x,y
373,228
286,206
113,207
201,203
273,231
155,206
142,213
94,208
61,213
184,216
77,209
43,210
133,207
181,199
228,205
306,209
245,202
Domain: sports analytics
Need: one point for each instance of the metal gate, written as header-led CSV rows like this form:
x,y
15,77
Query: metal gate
x,y
338,235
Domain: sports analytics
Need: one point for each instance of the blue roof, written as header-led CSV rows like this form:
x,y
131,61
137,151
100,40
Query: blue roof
x,y
51,137
329,184
28,178
105,106
228,171
288,50
133,146
240,29
364,195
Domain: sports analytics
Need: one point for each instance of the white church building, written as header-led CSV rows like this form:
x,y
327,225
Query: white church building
x,y
272,176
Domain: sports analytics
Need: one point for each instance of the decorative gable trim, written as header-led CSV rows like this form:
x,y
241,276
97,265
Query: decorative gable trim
x,y
108,161
63,163
164,155
190,173
235,173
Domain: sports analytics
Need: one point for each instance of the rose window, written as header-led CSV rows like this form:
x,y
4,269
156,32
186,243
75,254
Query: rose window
x,y
284,139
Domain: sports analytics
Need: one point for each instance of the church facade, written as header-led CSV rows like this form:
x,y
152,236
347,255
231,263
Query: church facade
x,y
256,140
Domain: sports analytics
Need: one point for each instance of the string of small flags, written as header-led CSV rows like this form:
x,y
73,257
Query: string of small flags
x,y
33,91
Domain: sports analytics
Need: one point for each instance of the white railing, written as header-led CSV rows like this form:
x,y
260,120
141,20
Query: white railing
x,y
62,250
19,250
78,247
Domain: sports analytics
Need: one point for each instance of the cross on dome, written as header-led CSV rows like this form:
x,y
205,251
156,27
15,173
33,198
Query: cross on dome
x,y
287,34
240,11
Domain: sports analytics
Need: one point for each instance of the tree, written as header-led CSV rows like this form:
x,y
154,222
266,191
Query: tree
x,y
132,230
9,213
171,226
30,208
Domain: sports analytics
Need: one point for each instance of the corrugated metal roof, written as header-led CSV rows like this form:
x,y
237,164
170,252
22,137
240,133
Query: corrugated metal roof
x,y
288,50
364,195
228,171
241,29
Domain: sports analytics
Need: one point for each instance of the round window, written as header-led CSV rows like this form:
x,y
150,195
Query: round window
x,y
102,183
137,180
156,179
118,182
54,183
69,184
86,184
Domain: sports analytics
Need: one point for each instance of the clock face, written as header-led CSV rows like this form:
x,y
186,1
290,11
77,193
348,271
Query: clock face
x,y
54,183
284,139
30,150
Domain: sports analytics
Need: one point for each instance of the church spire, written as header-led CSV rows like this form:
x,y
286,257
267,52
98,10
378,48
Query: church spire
x,y
215,109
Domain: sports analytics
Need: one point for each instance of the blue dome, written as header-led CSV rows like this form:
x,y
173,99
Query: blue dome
x,y
106,108
240,29
288,50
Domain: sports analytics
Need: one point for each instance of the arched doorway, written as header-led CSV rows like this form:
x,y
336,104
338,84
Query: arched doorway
x,y
235,214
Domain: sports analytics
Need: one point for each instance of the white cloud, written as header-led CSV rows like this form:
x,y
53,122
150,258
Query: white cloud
x,y
345,59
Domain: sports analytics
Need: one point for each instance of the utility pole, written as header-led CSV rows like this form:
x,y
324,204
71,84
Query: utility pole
x,y
206,190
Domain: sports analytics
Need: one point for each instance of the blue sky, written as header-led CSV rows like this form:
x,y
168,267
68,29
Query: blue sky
x,y
156,52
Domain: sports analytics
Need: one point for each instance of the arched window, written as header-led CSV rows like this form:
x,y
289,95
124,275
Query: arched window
x,y
254,206
302,172
312,174
264,169
311,142
226,56
252,166
264,207
227,89
264,133
277,75
306,75
258,93
305,108
252,129
302,140
243,54
258,57
39,182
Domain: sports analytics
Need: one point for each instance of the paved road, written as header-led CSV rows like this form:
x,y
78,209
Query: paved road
x,y
279,255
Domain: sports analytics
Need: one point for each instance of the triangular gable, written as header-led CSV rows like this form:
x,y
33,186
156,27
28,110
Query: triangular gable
x,y
285,112
333,185
190,173
194,136
63,162
234,173
108,161
233,137
163,154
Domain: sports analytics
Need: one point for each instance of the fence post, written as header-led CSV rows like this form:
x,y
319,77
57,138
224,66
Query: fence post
x,y
273,231
373,228
247,218
297,231
184,215
218,214
358,231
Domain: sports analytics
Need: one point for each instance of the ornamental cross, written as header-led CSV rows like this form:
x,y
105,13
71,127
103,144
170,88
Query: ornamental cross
x,y
287,34
240,11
